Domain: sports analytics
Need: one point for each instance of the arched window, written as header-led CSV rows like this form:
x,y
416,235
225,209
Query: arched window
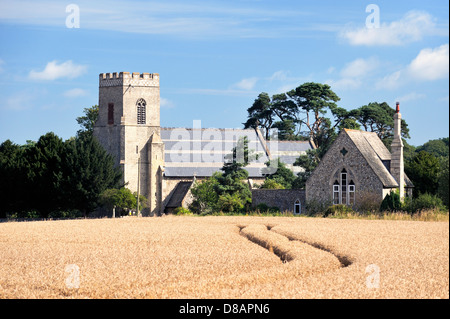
x,y
343,190
336,192
297,207
351,193
141,105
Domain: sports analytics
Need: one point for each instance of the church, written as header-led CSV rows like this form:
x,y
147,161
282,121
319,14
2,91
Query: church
x,y
162,163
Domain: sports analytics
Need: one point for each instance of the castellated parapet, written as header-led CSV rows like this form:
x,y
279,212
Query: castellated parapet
x,y
126,78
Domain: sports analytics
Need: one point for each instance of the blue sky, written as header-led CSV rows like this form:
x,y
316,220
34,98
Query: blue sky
x,y
215,57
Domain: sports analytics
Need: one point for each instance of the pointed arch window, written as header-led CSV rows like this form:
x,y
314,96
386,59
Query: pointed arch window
x,y
297,207
141,111
344,190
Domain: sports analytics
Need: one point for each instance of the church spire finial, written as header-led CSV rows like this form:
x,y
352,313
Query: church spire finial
x,y
397,110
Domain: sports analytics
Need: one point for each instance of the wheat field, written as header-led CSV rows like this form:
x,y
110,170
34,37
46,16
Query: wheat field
x,y
224,257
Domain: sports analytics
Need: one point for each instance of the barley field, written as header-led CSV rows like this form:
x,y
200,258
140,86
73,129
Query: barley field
x,y
224,257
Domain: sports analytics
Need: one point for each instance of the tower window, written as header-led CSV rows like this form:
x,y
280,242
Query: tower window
x,y
141,105
110,113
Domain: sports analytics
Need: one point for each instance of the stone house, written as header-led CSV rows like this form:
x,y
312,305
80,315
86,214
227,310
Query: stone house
x,y
358,166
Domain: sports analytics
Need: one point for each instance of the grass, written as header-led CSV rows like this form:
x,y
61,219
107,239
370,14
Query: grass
x,y
224,257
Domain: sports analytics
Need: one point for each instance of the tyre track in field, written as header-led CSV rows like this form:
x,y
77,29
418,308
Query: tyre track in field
x,y
306,257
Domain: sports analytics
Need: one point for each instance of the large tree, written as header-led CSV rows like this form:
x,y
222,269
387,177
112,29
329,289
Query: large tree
x,y
88,171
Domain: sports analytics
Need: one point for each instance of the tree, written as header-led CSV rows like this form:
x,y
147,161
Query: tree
x,y
379,118
423,170
205,195
122,199
313,100
438,148
283,176
43,167
443,190
88,171
12,177
88,120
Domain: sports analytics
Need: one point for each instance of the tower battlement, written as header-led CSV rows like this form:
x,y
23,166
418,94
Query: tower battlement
x,y
127,78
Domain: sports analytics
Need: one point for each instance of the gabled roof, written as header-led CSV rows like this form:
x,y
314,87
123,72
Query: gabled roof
x,y
176,200
375,153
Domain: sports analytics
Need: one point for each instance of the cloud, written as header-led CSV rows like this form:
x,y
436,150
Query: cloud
x,y
410,97
246,84
53,71
165,103
412,27
354,73
430,64
75,93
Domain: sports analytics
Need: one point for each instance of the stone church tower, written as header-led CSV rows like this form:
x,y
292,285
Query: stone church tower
x,y
128,127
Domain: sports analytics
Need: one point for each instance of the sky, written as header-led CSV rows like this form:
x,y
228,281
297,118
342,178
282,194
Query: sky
x,y
215,57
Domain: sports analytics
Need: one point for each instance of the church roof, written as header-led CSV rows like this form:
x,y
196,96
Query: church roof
x,y
179,194
376,155
201,152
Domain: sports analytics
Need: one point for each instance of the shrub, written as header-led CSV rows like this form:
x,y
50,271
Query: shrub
x,y
426,202
391,202
367,203
338,210
182,211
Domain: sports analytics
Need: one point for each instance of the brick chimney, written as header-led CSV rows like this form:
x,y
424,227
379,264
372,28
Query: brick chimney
x,y
397,166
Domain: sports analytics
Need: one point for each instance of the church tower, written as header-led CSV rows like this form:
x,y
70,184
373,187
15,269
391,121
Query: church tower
x,y
128,127
397,166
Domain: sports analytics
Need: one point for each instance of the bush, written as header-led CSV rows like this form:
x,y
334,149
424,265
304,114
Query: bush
x,y
264,208
338,210
426,202
367,203
391,202
182,211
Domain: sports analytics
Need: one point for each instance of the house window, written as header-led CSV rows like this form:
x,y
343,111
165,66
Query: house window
x,y
344,187
351,193
343,190
141,105
110,113
336,193
297,207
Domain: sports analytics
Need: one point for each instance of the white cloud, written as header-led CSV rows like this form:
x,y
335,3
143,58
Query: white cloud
x,y
431,64
165,103
412,27
410,97
53,71
75,93
354,73
246,84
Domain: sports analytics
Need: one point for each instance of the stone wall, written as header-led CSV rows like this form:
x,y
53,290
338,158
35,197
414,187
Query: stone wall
x,y
284,199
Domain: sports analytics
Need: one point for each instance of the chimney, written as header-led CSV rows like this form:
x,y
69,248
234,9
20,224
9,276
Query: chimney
x,y
397,166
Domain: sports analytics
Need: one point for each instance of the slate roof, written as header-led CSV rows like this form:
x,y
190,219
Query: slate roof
x,y
178,194
376,155
200,152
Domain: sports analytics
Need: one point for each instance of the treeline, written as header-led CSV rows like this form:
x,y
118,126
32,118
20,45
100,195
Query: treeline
x,y
52,177
56,178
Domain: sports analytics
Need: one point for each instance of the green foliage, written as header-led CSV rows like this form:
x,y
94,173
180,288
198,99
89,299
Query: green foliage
x,y
391,202
424,202
338,210
443,190
205,195
272,184
437,148
88,120
122,199
231,203
264,208
283,178
423,170
182,211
